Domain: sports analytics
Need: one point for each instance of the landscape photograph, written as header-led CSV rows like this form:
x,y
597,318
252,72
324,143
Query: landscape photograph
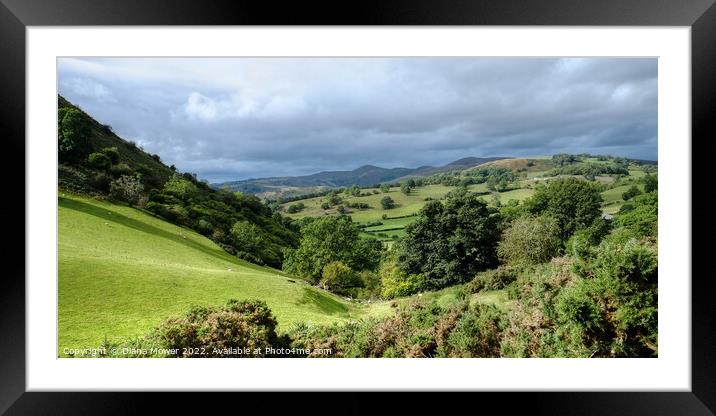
x,y
373,207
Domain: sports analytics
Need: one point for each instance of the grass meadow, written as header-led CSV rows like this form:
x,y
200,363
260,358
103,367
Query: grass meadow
x,y
123,271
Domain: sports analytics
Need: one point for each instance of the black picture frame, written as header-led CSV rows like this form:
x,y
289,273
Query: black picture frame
x,y
16,15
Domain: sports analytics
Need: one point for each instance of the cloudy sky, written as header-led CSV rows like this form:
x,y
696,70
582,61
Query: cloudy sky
x,y
238,118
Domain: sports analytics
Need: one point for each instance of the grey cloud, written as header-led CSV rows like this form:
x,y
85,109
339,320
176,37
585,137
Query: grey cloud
x,y
230,119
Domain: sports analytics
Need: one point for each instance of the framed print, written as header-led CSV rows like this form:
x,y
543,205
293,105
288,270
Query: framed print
x,y
439,198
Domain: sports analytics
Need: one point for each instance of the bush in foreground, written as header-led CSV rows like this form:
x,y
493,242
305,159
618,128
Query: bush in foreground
x,y
220,332
415,330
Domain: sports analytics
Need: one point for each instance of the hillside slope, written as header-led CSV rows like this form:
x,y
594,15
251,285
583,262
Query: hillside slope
x,y
363,176
97,162
122,271
102,137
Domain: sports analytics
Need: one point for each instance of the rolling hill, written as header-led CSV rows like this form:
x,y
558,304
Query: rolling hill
x,y
101,137
123,271
389,225
179,198
363,176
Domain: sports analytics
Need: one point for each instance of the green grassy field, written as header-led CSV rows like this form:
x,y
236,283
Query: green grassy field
x,y
122,272
405,204
613,200
517,194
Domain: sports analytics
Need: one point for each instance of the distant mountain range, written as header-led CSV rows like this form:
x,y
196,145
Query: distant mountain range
x,y
363,176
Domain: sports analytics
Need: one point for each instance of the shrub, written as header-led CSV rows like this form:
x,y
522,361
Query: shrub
x,y
337,277
294,208
220,332
395,283
99,161
651,183
476,334
101,182
371,282
529,240
494,279
112,153
642,218
601,306
582,241
387,202
613,308
120,170
204,227
126,188
180,187
417,329
631,193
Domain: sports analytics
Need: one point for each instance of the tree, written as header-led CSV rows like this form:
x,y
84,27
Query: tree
x,y
387,202
502,185
491,183
328,239
337,277
334,199
385,188
449,243
564,159
354,190
73,130
529,240
405,188
325,205
99,161
247,237
294,208
572,202
651,183
126,188
631,193
411,183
